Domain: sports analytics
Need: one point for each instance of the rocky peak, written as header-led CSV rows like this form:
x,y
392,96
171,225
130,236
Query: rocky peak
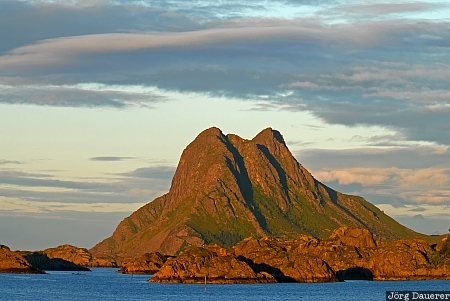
x,y
271,141
200,161
268,136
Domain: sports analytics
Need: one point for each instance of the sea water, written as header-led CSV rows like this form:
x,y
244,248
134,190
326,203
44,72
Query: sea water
x,y
107,284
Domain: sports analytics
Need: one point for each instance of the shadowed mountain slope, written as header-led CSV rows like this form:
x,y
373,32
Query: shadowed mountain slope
x,y
227,188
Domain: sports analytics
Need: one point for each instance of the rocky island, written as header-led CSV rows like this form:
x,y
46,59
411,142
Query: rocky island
x,y
12,262
61,258
245,211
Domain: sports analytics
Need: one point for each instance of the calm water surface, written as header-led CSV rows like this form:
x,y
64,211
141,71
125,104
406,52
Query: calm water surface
x,y
106,284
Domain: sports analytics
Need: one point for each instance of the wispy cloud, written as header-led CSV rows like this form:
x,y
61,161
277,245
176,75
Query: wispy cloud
x,y
24,206
80,95
142,184
74,18
427,185
382,10
414,174
19,178
4,162
66,51
405,157
110,158
412,210
158,172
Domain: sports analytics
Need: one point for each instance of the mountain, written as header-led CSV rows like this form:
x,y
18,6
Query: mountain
x,y
227,188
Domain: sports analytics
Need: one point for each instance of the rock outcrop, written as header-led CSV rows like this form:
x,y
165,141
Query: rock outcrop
x,y
149,263
65,258
227,188
200,265
43,262
357,237
348,254
79,256
403,260
13,262
281,259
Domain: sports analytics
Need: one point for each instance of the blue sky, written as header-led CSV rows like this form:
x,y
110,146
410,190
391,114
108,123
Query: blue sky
x,y
99,98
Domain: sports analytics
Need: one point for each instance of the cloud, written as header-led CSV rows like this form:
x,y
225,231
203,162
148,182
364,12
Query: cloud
x,y
24,206
401,177
110,159
392,185
69,50
389,72
108,189
65,51
4,162
87,95
18,20
403,157
158,172
355,176
302,85
142,184
396,175
411,210
19,178
383,9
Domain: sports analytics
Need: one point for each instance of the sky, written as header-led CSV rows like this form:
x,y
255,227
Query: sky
x,y
98,99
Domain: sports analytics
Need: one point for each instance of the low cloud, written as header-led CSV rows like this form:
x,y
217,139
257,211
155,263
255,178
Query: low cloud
x,y
411,174
110,159
427,177
24,206
383,9
5,162
402,157
393,185
19,178
427,210
80,95
142,184
365,177
152,172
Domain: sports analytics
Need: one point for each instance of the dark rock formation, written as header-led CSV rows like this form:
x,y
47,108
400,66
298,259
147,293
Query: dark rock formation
x,y
227,188
13,262
41,261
